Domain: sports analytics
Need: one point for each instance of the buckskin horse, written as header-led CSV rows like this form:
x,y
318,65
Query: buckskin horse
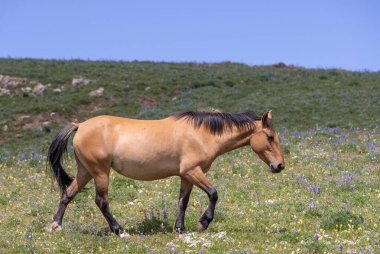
x,y
184,144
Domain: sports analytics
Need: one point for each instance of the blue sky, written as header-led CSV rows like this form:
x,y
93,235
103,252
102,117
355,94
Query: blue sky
x,y
315,34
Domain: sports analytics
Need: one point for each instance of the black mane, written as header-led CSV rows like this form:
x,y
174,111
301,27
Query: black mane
x,y
217,122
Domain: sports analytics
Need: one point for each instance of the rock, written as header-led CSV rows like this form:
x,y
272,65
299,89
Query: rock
x,y
147,88
96,93
23,119
5,128
4,91
38,89
9,82
80,81
26,91
57,90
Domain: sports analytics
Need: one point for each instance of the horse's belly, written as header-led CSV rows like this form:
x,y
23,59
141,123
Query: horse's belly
x,y
147,171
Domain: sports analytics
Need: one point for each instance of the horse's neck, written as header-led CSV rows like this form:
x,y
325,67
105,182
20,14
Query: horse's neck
x,y
232,140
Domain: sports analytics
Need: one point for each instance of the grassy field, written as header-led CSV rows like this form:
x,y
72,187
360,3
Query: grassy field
x,y
326,201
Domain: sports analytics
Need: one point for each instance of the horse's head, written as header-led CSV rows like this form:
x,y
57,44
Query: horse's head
x,y
266,144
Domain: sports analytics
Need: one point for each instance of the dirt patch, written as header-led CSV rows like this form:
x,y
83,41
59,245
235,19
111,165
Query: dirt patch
x,y
38,121
148,102
96,105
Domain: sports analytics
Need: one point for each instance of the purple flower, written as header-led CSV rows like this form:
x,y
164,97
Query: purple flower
x,y
319,189
141,235
201,251
316,236
341,248
30,236
304,182
170,246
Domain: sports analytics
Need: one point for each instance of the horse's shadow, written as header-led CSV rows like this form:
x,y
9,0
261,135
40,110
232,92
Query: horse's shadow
x,y
148,226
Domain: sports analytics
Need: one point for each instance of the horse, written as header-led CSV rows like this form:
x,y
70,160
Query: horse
x,y
185,144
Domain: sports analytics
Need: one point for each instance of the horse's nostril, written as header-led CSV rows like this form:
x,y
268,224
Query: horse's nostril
x,y
280,166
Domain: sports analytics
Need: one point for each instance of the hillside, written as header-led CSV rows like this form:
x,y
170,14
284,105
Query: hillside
x,y
300,98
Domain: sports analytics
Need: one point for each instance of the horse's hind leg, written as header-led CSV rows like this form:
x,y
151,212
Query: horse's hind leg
x,y
101,186
81,179
198,178
184,195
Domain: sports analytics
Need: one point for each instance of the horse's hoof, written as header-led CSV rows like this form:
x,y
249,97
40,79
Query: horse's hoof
x,y
202,226
54,227
179,230
125,235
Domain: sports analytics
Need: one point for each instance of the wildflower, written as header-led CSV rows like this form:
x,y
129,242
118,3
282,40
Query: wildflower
x,y
141,235
316,236
341,248
30,236
201,251
170,245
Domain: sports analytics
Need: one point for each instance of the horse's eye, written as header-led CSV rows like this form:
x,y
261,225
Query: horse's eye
x,y
270,138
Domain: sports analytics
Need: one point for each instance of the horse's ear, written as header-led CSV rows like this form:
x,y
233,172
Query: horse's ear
x,y
267,120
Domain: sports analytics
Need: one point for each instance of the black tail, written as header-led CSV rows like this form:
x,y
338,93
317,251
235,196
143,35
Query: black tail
x,y
57,148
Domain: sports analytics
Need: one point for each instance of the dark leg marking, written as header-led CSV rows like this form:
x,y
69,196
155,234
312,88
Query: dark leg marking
x,y
184,195
208,215
65,200
102,203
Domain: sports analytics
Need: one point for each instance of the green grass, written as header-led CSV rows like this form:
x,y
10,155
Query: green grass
x,y
258,212
327,120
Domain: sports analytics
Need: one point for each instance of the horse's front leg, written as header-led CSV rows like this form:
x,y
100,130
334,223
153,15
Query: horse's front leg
x,y
198,178
184,195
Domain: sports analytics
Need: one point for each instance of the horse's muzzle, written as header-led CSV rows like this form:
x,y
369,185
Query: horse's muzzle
x,y
277,169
